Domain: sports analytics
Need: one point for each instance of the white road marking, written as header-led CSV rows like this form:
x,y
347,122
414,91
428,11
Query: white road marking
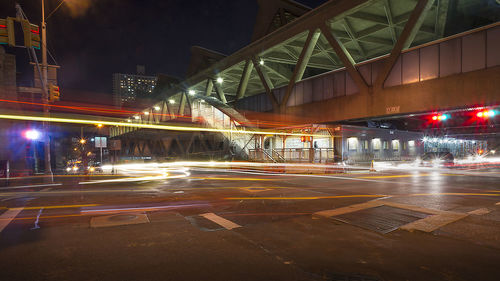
x,y
478,212
227,224
8,216
28,186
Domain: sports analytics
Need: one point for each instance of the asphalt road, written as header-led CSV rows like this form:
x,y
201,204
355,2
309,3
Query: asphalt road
x,y
235,225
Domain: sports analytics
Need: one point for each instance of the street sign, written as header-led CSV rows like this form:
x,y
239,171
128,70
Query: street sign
x,y
100,142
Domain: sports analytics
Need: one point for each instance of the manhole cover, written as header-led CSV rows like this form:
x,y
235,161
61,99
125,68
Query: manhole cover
x,y
116,220
382,219
122,217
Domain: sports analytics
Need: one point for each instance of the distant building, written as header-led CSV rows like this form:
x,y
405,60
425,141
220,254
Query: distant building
x,y
126,87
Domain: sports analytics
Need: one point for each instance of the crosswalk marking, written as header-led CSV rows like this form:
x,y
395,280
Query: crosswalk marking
x,y
227,224
8,216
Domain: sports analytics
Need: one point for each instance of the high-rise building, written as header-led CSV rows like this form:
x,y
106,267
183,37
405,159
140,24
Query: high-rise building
x,y
127,87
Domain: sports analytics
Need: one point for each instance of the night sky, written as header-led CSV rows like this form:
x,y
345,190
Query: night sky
x,y
91,39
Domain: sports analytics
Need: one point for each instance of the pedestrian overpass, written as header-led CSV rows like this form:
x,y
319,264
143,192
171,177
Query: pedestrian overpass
x,y
345,60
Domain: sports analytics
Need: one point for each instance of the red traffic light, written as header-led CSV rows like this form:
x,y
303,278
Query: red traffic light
x,y
486,113
440,117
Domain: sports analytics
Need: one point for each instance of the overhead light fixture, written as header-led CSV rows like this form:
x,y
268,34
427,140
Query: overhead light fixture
x,y
157,108
171,101
136,117
192,92
220,80
146,113
261,62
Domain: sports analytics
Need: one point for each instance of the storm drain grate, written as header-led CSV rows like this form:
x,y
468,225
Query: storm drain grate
x,y
382,219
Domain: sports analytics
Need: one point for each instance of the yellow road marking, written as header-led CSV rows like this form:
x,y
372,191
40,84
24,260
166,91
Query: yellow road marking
x,y
360,196
61,206
452,193
304,198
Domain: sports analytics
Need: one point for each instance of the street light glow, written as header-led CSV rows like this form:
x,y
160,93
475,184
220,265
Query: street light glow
x,y
146,113
220,80
32,134
83,141
100,125
261,62
157,108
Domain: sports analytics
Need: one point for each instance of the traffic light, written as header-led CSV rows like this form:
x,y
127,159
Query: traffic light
x,y
4,34
33,33
440,117
486,114
54,94
30,32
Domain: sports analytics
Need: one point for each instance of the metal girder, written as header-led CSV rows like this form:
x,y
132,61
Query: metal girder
x,y
277,59
219,91
348,28
245,77
305,55
281,71
388,14
182,104
266,82
345,57
404,40
209,87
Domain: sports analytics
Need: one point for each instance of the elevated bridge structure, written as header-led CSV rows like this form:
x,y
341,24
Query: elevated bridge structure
x,y
349,60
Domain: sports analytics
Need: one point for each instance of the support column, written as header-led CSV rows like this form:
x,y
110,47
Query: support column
x,y
302,62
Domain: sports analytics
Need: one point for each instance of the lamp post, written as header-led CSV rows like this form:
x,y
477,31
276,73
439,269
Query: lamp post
x,y
45,95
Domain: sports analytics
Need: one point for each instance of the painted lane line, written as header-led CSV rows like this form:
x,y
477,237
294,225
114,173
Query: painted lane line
x,y
306,198
434,222
60,206
8,216
29,186
479,212
227,224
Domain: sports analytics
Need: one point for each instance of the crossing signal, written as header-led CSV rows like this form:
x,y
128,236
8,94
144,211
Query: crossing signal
x,y
54,94
305,138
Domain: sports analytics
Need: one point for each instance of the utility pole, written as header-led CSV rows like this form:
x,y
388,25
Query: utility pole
x,y
45,97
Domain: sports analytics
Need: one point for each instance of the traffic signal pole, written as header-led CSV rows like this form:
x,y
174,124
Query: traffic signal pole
x,y
45,96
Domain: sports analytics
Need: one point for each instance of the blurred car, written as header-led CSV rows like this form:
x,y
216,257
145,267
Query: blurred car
x,y
437,159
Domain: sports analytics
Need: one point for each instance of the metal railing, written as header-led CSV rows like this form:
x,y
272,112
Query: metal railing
x,y
314,155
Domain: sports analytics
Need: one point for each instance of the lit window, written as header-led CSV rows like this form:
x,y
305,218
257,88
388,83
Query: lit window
x,y
395,144
352,143
376,144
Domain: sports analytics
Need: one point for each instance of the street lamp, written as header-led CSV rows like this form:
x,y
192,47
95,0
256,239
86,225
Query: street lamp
x,y
32,134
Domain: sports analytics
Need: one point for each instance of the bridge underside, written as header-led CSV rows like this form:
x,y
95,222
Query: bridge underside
x,y
477,88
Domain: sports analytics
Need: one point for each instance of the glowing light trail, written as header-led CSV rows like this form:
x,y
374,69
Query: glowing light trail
x,y
144,126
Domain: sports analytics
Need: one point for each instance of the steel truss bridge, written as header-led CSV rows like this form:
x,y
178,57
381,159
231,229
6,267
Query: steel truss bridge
x,y
345,60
